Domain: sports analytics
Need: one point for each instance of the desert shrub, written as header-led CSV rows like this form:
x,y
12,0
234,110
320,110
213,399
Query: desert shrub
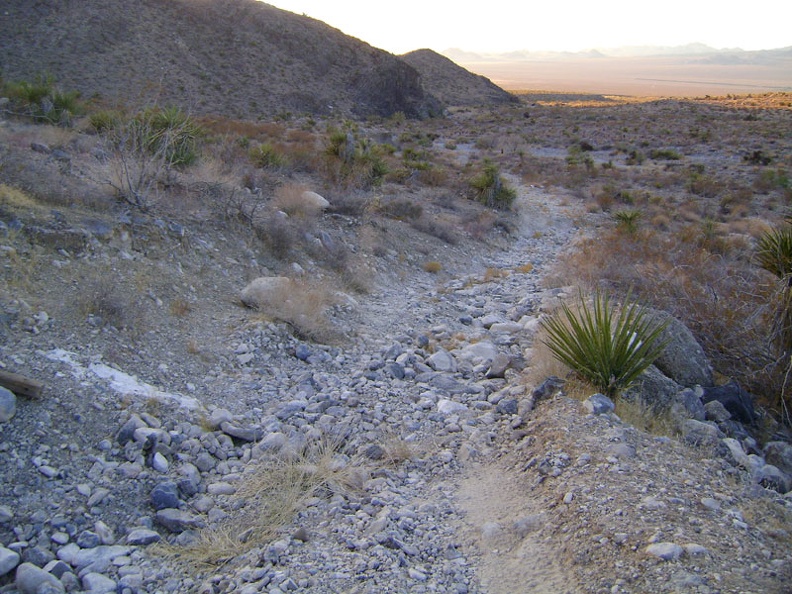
x,y
266,156
146,146
171,132
401,209
769,179
664,154
354,160
491,190
43,101
774,251
627,220
433,266
609,346
105,120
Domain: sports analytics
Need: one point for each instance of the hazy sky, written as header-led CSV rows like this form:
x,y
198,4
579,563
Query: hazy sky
x,y
564,25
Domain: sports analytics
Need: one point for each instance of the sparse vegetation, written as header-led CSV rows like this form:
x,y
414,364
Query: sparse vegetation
x,y
43,101
490,188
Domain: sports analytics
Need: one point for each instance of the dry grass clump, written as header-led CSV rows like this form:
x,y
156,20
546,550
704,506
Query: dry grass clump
x,y
304,306
273,491
432,266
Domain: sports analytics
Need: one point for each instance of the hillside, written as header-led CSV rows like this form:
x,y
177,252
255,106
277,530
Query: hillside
x,y
241,58
454,85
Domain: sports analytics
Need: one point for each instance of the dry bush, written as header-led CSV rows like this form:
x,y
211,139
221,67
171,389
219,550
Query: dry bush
x,y
305,307
433,266
291,199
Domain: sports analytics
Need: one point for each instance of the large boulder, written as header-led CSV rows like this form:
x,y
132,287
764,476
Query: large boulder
x,y
683,359
266,290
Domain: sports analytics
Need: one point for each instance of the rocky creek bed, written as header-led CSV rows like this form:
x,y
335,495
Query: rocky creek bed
x,y
429,462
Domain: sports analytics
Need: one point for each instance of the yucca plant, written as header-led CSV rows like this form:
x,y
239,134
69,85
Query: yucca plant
x,y
774,251
607,344
627,220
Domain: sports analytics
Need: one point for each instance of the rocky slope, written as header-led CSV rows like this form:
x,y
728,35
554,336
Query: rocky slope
x,y
242,58
454,85
426,461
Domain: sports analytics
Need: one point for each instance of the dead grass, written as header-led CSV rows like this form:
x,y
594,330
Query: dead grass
x,y
273,490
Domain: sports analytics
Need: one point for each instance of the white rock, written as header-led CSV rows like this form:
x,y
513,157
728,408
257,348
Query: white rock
x,y
667,551
312,199
160,463
7,405
448,407
8,560
31,580
266,290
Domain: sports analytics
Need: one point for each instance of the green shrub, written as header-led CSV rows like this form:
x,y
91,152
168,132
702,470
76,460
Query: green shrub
x,y
43,101
664,154
610,346
105,120
627,220
172,132
147,146
491,190
266,156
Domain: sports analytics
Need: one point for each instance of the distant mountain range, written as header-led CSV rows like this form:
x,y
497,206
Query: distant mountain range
x,y
698,50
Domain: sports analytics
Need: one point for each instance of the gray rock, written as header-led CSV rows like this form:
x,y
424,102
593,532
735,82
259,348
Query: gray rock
x,y
443,361
127,431
507,406
96,583
683,360
8,560
220,416
779,454
715,411
142,537
771,477
242,433
6,514
654,389
34,580
598,404
667,551
7,405
176,520
697,433
449,407
688,402
736,400
88,540
99,558
165,495
38,556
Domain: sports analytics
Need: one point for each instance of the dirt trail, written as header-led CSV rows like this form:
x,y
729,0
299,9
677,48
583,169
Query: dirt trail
x,y
502,521
504,524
